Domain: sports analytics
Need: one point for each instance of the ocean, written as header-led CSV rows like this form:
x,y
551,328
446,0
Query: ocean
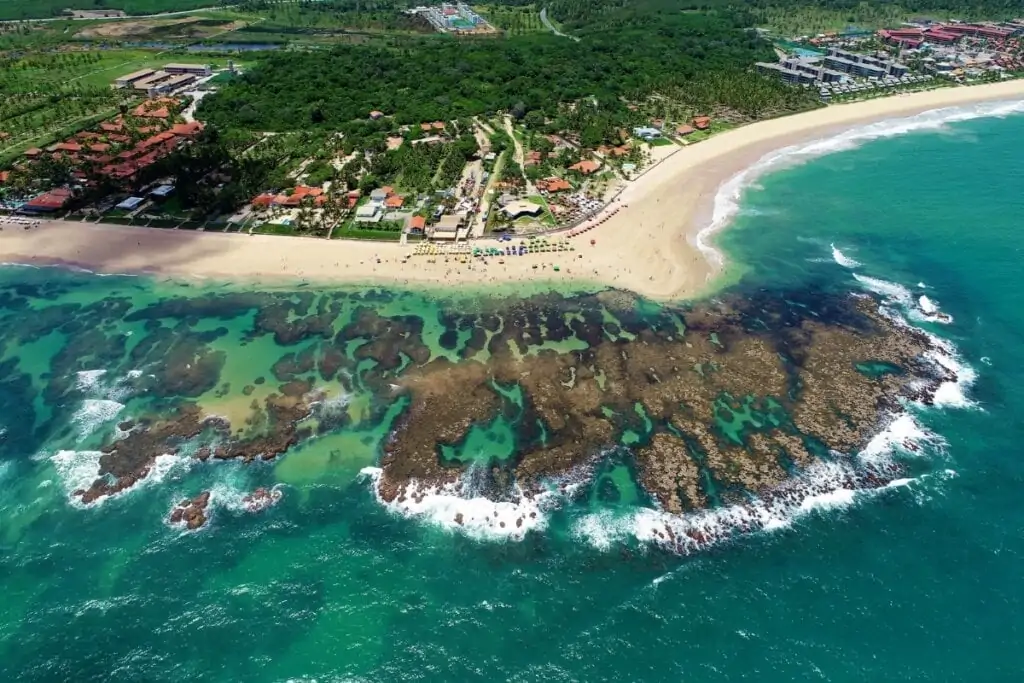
x,y
918,579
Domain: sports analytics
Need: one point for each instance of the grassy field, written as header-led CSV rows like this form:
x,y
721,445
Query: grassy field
x,y
814,20
513,20
42,9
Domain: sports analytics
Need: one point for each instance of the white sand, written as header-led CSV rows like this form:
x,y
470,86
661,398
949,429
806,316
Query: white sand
x,y
649,245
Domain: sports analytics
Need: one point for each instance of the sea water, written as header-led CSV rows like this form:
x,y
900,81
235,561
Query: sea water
x,y
918,581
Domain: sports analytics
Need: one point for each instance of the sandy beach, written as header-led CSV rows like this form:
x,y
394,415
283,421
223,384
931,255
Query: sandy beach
x,y
652,243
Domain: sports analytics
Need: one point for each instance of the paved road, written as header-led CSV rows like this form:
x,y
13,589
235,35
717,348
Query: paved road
x,y
551,27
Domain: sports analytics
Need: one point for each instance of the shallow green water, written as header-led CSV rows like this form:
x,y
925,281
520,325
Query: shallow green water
x,y
919,581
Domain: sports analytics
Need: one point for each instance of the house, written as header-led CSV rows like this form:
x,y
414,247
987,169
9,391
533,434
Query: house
x,y
187,129
586,167
554,185
533,158
657,123
518,209
394,202
4,176
646,133
684,130
417,224
447,227
112,126
701,122
379,196
369,213
263,201
132,78
48,202
376,114
99,147
426,127
33,152
438,125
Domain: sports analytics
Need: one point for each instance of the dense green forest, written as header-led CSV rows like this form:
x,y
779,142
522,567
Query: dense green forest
x,y
707,56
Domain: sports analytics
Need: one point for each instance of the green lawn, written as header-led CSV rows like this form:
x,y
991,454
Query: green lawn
x,y
661,142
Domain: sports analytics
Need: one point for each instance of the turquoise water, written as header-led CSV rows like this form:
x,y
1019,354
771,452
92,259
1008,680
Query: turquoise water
x,y
914,582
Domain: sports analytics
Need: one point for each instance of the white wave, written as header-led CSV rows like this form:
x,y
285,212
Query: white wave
x,y
727,199
94,413
79,469
902,433
919,309
842,259
450,508
893,292
76,469
88,380
953,394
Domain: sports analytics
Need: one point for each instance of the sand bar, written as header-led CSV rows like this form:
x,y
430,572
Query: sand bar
x,y
648,244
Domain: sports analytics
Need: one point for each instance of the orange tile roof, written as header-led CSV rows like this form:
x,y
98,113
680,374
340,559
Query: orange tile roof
x,y
263,200
4,176
418,223
388,190
701,122
394,202
586,167
33,152
187,128
554,184
684,130
424,127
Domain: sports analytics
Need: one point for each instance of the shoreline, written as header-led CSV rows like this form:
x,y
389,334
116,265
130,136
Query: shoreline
x,y
657,240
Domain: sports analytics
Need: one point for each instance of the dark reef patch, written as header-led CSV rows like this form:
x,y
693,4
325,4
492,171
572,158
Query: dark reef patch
x,y
709,402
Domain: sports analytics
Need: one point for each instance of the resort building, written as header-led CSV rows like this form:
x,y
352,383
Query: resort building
x,y
448,226
518,209
199,70
132,78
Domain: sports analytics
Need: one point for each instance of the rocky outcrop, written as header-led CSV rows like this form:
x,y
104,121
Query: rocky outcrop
x,y
191,513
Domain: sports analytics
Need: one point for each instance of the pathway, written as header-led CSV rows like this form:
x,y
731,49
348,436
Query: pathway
x,y
551,27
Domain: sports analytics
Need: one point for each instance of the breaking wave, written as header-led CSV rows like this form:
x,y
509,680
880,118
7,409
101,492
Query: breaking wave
x,y
842,259
727,199
454,508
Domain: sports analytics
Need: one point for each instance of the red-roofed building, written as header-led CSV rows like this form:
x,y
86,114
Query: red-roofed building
x,y
940,36
394,202
112,126
438,125
586,167
48,202
425,127
554,185
702,122
99,147
118,138
684,130
33,152
417,224
4,176
263,201
187,129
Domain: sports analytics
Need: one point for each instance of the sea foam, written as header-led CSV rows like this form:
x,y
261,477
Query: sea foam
x,y
727,200
452,507
842,259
